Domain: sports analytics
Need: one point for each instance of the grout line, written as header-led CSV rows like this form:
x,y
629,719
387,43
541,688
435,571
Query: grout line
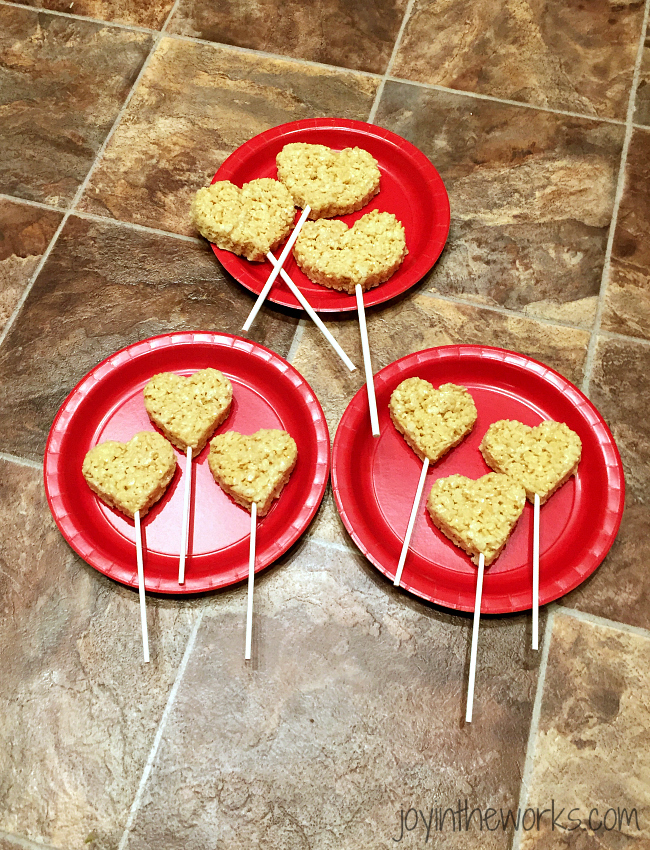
x,y
380,88
28,202
595,620
159,733
620,187
131,225
624,337
21,461
19,841
297,338
42,10
534,719
332,545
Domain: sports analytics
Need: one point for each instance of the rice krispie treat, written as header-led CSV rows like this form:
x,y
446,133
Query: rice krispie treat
x,y
478,516
130,476
367,253
542,458
432,421
253,469
250,221
331,182
188,410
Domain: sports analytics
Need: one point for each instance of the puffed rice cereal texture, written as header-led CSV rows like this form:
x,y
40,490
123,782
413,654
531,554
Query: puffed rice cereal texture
x,y
250,221
368,253
253,468
130,476
432,421
331,182
478,516
541,458
188,410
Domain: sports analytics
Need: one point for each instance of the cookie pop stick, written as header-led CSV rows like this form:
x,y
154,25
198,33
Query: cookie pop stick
x,y
312,314
143,609
409,528
365,347
536,572
472,659
186,515
251,582
276,269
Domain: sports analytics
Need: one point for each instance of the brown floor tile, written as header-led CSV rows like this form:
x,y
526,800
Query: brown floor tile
x,y
591,748
25,233
419,322
627,297
620,588
348,33
642,106
144,13
195,104
351,711
103,287
78,707
62,85
574,56
531,197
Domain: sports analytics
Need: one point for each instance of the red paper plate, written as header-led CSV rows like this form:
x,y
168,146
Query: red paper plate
x,y
374,482
411,188
108,405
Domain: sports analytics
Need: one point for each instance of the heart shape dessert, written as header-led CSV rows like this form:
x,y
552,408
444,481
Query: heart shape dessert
x,y
541,458
253,468
250,221
431,420
367,253
130,476
331,182
478,516
187,410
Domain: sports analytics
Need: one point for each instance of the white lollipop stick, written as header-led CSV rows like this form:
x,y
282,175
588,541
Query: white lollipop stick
x,y
276,269
251,581
185,531
409,528
536,573
143,609
365,347
472,660
313,315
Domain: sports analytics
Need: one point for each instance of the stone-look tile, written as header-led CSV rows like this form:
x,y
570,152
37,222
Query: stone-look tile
x,y
25,233
627,297
620,386
574,56
422,321
62,85
195,104
591,749
642,105
531,197
78,707
352,34
105,286
351,710
144,13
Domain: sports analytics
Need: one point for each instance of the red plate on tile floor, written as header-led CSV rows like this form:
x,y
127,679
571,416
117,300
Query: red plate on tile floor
x,y
108,405
411,188
374,482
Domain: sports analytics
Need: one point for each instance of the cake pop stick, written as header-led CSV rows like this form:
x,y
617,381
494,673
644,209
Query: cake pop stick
x,y
186,515
409,528
143,609
276,270
365,347
251,582
475,625
536,572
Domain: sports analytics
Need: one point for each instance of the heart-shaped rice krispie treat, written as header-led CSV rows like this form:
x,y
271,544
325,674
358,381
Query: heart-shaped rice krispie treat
x,y
253,469
478,516
250,221
431,420
367,253
130,476
188,410
542,458
331,182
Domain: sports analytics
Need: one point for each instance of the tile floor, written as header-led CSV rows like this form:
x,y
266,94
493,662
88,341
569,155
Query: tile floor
x,y
537,117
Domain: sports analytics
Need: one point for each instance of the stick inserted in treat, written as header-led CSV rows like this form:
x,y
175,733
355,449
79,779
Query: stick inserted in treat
x,y
143,608
536,572
365,347
475,625
409,528
276,270
313,315
186,515
251,582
